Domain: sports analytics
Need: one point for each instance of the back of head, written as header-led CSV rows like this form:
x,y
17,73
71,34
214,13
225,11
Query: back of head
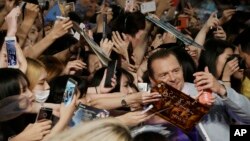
x,y
34,71
129,23
213,48
108,129
150,136
11,81
53,66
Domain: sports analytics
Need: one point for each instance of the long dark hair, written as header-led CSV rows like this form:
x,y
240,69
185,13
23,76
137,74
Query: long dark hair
x,y
11,81
213,49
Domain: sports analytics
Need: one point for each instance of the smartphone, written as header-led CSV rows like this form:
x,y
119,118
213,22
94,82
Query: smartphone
x,y
147,7
11,51
143,87
182,22
110,73
104,32
69,91
44,113
86,113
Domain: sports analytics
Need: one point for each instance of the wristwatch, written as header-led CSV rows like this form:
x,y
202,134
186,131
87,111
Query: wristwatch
x,y
123,102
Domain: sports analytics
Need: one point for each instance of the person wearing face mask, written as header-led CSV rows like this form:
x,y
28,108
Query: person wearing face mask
x,y
37,75
14,82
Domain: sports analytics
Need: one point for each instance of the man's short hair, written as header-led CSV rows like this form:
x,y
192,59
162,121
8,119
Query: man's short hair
x,y
162,53
243,40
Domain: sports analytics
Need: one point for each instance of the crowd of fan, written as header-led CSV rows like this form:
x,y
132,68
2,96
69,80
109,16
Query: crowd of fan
x,y
48,54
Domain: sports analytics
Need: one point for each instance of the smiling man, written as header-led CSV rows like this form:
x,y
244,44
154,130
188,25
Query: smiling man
x,y
163,66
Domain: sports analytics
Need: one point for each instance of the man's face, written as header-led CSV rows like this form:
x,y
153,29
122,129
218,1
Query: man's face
x,y
246,57
169,71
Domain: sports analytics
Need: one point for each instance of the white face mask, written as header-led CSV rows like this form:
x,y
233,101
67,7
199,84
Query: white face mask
x,y
41,96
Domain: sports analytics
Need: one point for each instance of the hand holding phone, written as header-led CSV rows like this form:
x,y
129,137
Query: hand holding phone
x,y
69,91
110,73
44,113
11,52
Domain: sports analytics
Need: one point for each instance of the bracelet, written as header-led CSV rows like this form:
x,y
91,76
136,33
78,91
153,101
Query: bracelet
x,y
226,81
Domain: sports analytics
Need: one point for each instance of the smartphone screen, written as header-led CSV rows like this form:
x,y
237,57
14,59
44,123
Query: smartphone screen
x,y
69,91
110,73
44,113
11,51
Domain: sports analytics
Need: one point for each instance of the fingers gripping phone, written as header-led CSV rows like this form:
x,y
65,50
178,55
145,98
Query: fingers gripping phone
x,y
11,52
44,113
69,91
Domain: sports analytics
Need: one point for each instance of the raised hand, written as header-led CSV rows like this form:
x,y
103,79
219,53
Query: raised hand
x,y
61,27
157,41
106,46
11,21
206,81
73,66
31,11
227,15
220,33
21,59
104,90
129,67
212,21
189,10
120,45
230,68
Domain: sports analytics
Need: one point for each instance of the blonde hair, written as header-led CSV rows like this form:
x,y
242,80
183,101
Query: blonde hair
x,y
108,129
34,71
53,66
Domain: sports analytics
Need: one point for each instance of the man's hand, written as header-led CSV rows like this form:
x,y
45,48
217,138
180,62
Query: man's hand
x,y
205,80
